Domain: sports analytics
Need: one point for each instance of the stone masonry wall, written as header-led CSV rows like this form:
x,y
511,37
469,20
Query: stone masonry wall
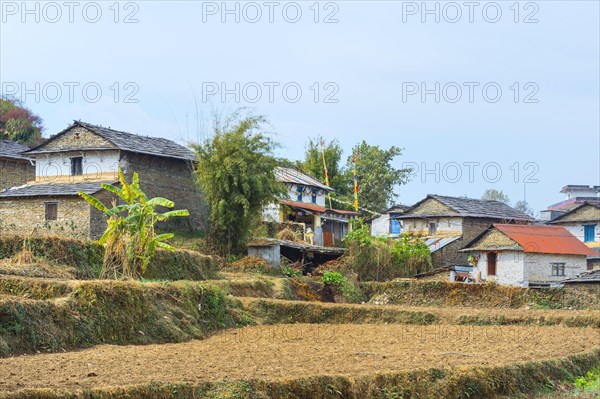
x,y
15,172
21,216
172,179
77,138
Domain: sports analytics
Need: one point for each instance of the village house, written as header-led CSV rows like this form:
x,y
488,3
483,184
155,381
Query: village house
x,y
15,169
81,158
387,224
526,255
575,195
447,223
306,202
583,222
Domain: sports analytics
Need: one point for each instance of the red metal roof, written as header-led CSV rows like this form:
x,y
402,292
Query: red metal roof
x,y
545,239
303,205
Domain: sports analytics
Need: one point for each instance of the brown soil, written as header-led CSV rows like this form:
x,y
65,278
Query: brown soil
x,y
296,351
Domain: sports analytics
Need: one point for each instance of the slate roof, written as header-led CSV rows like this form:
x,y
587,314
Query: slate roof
x,y
470,207
53,189
290,175
575,209
590,277
10,149
130,142
539,239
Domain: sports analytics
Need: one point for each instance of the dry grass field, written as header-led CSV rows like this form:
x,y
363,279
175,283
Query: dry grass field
x,y
297,351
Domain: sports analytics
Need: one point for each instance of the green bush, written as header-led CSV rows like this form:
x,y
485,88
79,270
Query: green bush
x,y
380,258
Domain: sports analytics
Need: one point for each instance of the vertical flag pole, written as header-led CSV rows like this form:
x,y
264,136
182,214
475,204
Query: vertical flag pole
x,y
354,160
325,168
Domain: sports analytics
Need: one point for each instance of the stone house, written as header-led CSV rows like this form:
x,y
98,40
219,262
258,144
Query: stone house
x,y
81,158
575,195
526,255
306,202
15,168
387,224
447,223
583,222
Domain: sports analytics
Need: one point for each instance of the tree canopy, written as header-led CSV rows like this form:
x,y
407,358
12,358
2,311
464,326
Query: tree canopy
x,y
492,194
18,123
236,173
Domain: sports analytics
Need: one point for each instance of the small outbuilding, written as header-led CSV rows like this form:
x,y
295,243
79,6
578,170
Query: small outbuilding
x,y
527,255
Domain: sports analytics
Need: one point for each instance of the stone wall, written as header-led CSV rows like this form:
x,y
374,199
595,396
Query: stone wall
x,y
76,139
172,179
15,172
22,216
584,214
445,226
433,207
495,239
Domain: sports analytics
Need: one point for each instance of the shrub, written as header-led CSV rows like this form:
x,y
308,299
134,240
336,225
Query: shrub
x,y
380,259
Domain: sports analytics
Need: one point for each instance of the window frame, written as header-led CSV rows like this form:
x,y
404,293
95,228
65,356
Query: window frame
x,y
47,214
77,166
558,269
432,228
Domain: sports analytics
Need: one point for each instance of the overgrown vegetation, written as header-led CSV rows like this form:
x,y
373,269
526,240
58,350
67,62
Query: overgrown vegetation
x,y
68,258
590,382
381,259
130,239
236,172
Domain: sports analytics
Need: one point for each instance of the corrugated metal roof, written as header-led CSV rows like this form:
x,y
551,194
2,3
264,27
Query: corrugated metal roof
x,y
130,142
289,175
53,189
545,239
303,205
10,149
437,243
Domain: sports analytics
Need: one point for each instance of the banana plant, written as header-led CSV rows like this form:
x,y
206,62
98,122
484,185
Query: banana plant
x,y
130,239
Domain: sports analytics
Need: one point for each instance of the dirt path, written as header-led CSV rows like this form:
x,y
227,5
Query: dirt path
x,y
294,351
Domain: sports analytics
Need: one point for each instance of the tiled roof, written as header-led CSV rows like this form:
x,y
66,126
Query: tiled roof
x,y
133,142
470,207
53,189
592,276
290,175
541,239
10,149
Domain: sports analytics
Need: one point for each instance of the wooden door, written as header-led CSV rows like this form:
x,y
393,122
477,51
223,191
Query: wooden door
x,y
492,258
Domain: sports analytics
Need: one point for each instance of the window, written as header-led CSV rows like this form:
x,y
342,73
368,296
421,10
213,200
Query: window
x,y
51,210
492,258
394,226
76,166
432,228
314,197
589,232
558,269
299,190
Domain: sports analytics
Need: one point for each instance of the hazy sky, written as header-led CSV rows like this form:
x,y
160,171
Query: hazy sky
x,y
479,94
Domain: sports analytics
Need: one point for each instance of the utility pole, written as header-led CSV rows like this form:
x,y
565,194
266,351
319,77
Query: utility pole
x,y
354,161
325,168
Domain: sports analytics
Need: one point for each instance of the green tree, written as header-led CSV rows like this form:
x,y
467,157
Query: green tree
x,y
524,207
495,195
236,173
130,240
377,178
18,123
313,163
